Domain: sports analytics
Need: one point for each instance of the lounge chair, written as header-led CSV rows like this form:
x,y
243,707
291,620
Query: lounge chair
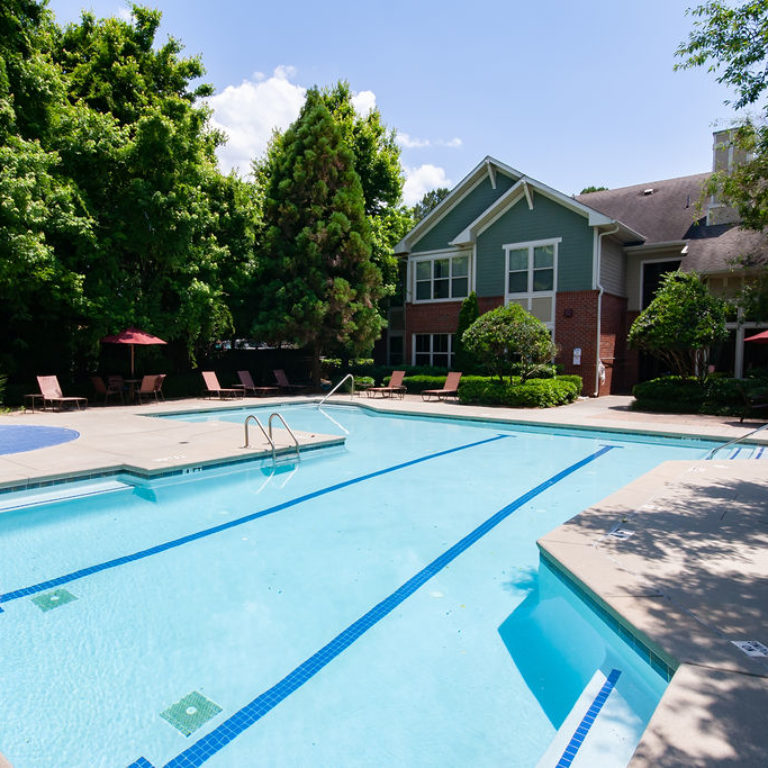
x,y
248,387
450,388
395,387
212,387
151,386
52,395
106,390
752,403
284,384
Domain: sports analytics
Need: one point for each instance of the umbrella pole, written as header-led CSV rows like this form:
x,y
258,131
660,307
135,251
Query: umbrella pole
x,y
132,369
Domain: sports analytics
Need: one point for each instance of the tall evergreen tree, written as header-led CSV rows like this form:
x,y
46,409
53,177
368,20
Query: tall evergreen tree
x,y
318,285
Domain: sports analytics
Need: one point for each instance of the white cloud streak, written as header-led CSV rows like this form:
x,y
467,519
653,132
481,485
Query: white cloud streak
x,y
420,180
406,141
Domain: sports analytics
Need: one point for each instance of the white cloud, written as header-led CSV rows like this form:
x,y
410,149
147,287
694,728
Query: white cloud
x,y
405,140
248,114
364,102
419,181
453,143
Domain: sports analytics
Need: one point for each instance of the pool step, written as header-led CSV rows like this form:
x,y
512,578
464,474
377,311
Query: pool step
x,y
63,492
598,731
747,452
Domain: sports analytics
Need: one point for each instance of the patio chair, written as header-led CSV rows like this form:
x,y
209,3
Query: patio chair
x,y
151,386
106,390
247,385
450,388
395,387
212,387
52,395
752,402
285,385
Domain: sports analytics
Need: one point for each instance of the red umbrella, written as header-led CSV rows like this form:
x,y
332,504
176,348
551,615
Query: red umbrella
x,y
133,336
760,338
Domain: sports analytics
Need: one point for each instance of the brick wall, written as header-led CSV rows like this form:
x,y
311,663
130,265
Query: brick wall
x,y
613,337
576,326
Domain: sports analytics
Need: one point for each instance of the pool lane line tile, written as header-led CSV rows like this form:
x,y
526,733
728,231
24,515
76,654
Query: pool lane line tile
x,y
191,712
50,600
208,745
141,763
573,746
144,553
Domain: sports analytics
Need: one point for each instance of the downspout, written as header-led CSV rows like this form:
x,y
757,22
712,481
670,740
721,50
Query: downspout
x,y
600,291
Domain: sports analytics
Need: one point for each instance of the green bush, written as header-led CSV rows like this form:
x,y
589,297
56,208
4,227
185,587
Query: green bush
x,y
3,381
416,383
533,393
674,394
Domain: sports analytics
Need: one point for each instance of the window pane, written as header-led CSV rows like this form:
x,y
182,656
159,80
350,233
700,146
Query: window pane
x,y
518,259
543,279
423,270
518,282
422,359
461,266
422,342
542,307
442,268
440,342
441,289
423,291
440,360
543,256
459,287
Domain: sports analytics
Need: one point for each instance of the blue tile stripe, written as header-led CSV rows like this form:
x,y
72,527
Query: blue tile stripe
x,y
217,739
125,559
141,763
587,721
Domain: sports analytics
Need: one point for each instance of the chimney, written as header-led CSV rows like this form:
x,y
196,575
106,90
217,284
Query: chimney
x,y
726,156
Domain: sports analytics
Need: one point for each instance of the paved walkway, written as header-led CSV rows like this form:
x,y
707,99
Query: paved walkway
x,y
690,578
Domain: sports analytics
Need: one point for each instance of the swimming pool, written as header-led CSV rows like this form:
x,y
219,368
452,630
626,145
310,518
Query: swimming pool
x,y
380,604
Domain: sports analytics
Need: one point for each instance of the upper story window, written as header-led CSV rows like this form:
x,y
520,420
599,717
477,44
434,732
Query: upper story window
x,y
532,277
441,277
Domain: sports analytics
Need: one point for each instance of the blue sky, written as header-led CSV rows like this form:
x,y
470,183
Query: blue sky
x,y
572,94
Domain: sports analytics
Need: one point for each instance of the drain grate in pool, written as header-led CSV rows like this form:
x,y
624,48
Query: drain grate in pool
x,y
188,714
50,600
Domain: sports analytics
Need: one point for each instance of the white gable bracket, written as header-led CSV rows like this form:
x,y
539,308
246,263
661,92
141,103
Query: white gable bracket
x,y
528,195
491,173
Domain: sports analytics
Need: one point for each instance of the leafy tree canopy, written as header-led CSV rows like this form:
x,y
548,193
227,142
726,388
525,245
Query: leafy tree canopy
x,y
680,324
510,338
464,360
429,202
587,190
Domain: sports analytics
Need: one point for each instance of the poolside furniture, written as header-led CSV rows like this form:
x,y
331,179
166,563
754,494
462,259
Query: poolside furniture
x,y
450,388
212,387
151,386
52,394
395,387
106,390
756,402
248,387
284,384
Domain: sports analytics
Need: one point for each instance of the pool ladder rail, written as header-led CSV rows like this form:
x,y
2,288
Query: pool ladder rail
x,y
711,454
348,376
268,435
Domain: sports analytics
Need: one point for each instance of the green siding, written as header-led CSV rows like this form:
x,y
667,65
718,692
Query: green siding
x,y
463,214
547,220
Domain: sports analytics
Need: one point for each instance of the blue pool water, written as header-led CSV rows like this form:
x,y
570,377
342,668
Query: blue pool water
x,y
17,438
377,604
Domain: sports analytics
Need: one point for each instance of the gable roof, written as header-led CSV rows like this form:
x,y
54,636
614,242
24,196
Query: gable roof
x,y
521,189
488,166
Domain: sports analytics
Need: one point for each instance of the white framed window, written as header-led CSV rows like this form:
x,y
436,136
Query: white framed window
x,y
433,349
441,277
531,277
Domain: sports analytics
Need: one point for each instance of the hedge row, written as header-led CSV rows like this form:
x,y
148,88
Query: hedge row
x,y
534,393
715,395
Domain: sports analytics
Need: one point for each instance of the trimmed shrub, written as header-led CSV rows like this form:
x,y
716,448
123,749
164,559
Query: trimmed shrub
x,y
533,393
673,394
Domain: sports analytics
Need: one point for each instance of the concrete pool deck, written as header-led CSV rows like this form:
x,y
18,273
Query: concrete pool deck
x,y
688,570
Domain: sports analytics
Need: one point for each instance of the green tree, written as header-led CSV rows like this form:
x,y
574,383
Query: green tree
x,y
429,202
680,324
510,338
733,42
318,284
463,360
587,190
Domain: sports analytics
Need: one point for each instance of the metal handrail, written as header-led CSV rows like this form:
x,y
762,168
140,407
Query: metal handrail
x,y
348,376
288,429
263,432
712,453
